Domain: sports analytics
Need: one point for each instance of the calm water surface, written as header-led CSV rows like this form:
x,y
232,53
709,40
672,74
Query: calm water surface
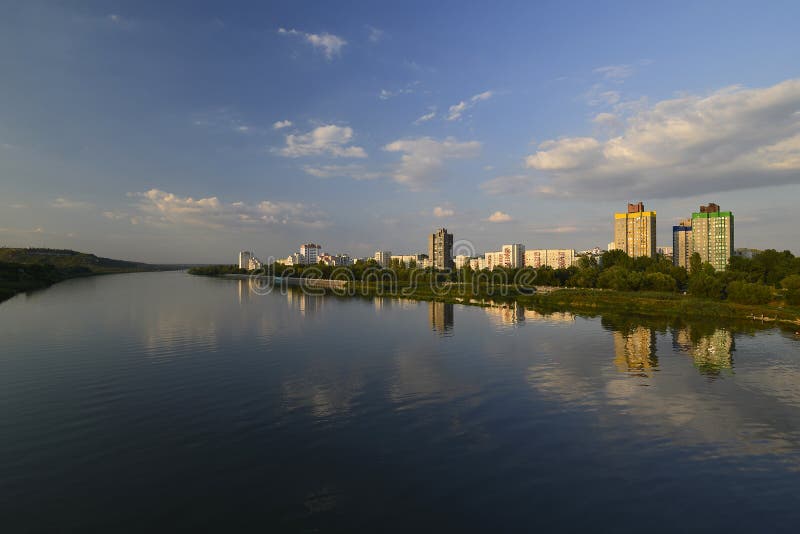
x,y
162,402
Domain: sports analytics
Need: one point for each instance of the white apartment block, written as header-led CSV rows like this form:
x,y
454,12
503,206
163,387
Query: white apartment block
x,y
555,258
244,259
383,257
310,253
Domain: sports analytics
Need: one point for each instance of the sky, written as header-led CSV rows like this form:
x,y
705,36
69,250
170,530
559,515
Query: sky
x,y
187,131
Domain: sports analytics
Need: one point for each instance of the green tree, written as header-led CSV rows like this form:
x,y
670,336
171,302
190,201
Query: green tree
x,y
792,286
747,293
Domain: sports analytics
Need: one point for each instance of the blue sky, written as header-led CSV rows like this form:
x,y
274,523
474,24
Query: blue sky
x,y
185,131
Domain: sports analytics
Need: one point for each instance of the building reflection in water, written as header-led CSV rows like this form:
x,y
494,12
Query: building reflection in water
x,y
635,350
514,313
506,313
243,291
712,353
440,315
300,300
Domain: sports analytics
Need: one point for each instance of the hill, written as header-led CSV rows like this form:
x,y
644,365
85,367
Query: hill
x,y
25,269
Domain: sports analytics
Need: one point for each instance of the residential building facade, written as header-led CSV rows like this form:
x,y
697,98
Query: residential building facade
x,y
310,253
244,259
635,231
555,258
383,257
682,243
440,249
712,235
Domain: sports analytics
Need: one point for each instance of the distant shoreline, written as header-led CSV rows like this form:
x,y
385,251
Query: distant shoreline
x,y
576,300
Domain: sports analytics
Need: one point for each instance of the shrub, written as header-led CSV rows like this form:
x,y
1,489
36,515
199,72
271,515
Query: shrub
x,y
792,286
747,293
659,282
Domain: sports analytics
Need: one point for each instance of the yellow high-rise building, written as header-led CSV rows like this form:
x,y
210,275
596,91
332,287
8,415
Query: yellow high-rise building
x,y
635,231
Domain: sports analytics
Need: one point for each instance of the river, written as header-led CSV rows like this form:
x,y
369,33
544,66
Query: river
x,y
157,402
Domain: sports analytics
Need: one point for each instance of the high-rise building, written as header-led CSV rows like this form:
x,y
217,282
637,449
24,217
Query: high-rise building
x,y
635,231
244,259
682,243
310,253
712,235
440,249
384,258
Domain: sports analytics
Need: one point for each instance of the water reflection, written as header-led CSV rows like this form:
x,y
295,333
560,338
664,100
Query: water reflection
x,y
440,315
635,350
515,313
712,352
303,302
255,396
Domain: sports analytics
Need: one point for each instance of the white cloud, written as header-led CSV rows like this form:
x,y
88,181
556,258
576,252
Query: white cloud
x,y
66,203
328,139
386,94
457,110
423,158
567,153
375,34
330,45
440,212
162,208
426,117
498,217
115,215
597,96
615,72
281,124
356,172
733,138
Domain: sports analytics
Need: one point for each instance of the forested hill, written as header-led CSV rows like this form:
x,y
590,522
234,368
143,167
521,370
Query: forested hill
x,y
25,269
70,259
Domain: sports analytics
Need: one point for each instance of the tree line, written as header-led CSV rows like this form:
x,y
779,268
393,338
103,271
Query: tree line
x,y
758,280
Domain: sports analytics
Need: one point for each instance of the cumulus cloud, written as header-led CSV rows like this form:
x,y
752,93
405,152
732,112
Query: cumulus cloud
x,y
440,212
733,138
455,111
498,217
330,45
423,158
279,125
356,172
328,139
163,208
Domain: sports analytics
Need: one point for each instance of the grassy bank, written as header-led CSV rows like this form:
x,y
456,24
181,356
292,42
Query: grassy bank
x,y
593,301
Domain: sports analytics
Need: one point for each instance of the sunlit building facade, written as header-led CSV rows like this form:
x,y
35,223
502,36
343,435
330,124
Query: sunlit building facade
x,y
635,231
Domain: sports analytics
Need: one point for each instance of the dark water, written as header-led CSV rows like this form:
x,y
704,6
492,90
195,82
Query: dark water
x,y
163,402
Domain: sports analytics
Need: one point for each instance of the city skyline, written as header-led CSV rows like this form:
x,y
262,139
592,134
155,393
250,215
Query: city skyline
x,y
186,133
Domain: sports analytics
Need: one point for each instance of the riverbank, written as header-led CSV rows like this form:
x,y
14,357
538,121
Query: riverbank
x,y
556,299
29,269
